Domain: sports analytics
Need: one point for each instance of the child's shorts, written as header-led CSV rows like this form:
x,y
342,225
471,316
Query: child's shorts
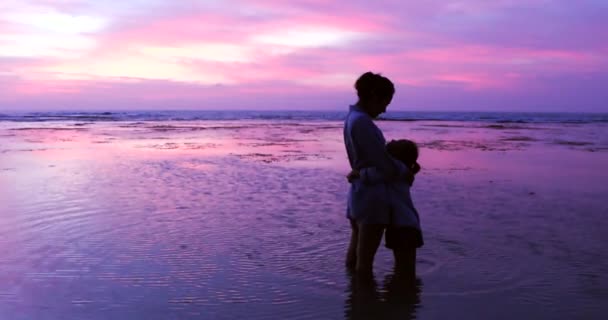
x,y
402,238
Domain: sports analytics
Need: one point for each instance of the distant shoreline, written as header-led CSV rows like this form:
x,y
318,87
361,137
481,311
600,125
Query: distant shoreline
x,y
251,115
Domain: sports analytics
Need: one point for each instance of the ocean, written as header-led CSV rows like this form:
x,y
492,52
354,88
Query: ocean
x,y
241,214
499,117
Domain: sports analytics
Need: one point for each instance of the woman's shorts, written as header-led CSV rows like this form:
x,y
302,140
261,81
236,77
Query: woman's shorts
x,y
396,238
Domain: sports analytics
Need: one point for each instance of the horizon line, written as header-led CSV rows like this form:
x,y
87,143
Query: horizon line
x,y
290,110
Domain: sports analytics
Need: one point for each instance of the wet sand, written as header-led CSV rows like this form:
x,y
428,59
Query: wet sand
x,y
245,219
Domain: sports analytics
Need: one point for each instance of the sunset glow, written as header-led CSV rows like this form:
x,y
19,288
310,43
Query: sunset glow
x,y
537,55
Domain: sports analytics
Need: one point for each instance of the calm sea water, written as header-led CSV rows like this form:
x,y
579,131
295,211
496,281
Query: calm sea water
x,y
500,117
224,218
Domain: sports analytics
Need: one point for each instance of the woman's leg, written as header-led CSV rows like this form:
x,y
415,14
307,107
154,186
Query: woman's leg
x,y
351,254
370,236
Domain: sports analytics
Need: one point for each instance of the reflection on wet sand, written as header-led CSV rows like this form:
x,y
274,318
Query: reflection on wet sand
x,y
398,298
245,219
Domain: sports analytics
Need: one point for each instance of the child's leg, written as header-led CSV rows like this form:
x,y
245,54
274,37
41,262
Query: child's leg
x,y
405,263
351,254
402,241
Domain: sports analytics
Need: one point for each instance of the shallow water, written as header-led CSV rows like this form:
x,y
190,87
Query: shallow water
x,y
245,219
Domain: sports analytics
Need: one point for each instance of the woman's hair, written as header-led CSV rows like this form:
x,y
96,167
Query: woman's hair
x,y
374,84
405,151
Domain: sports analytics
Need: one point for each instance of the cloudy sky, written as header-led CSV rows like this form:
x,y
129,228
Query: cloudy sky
x,y
533,55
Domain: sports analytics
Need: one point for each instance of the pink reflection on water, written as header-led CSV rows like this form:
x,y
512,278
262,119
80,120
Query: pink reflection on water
x,y
259,141
133,208
452,146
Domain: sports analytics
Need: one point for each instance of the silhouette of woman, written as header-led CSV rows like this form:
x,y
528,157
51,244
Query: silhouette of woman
x,y
369,207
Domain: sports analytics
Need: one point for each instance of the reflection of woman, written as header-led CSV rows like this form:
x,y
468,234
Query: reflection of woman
x,y
369,207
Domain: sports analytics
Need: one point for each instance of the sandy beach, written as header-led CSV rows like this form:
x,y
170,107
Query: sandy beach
x,y
244,219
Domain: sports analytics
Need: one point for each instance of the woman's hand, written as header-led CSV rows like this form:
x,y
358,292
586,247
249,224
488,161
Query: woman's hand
x,y
411,174
409,178
415,167
353,175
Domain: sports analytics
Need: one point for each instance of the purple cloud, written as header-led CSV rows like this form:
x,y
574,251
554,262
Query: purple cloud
x,y
491,55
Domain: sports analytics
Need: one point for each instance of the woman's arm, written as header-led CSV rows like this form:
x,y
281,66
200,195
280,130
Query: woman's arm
x,y
380,166
371,175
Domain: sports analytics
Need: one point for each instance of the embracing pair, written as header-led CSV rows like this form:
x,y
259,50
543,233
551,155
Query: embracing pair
x,y
379,200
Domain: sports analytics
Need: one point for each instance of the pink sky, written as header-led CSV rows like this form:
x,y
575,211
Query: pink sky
x,y
533,55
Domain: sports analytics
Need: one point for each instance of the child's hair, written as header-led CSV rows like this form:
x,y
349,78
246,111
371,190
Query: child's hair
x,y
405,151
